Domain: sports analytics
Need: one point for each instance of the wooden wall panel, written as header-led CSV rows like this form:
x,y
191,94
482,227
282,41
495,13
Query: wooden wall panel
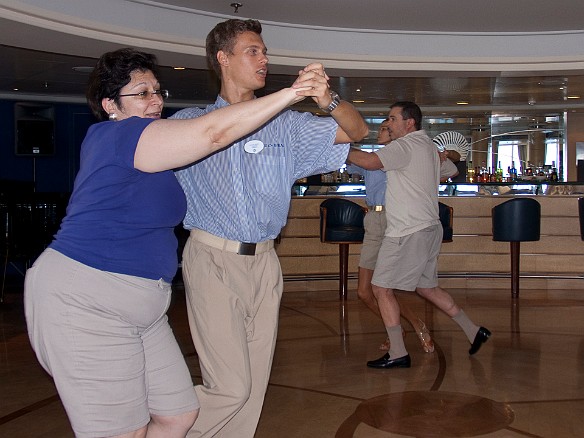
x,y
556,260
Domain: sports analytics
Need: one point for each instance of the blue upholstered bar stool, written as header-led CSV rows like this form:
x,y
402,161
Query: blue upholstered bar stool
x,y
341,222
446,213
581,213
517,220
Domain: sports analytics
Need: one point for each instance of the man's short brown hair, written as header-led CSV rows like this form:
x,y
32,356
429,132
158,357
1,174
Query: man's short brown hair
x,y
223,37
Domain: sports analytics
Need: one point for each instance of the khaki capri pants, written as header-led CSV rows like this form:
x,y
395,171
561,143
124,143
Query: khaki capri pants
x,y
105,340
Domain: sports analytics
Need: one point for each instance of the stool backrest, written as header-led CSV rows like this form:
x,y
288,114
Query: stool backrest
x,y
341,220
517,220
446,213
581,213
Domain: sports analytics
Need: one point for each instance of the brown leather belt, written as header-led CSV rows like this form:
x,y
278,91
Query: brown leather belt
x,y
241,248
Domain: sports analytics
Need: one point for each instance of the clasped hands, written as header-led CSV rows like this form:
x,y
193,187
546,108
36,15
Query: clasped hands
x,y
313,82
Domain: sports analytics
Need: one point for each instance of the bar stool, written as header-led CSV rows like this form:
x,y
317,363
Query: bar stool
x,y
341,222
515,221
581,213
446,213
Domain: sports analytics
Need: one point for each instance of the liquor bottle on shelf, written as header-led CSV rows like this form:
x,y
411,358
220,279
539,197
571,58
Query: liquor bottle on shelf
x,y
478,174
483,172
554,173
513,172
470,173
499,173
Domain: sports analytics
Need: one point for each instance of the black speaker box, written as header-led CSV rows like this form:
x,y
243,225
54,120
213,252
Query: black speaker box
x,y
35,137
35,129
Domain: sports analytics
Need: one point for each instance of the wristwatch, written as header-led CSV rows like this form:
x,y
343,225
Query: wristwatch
x,y
336,99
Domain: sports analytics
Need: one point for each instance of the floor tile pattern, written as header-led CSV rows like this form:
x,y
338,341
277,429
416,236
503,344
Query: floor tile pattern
x,y
526,381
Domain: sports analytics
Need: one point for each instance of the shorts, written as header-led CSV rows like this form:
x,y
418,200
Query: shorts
x,y
375,223
409,262
105,339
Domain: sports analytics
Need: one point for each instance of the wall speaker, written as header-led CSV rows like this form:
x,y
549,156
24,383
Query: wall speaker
x,y
35,129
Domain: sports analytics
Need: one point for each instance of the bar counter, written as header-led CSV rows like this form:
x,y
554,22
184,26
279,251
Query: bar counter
x,y
473,259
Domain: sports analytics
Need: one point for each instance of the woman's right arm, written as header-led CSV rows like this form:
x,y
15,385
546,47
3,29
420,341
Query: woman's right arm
x,y
169,144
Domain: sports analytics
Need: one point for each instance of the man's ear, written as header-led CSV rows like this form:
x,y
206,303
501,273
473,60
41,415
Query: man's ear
x,y
222,58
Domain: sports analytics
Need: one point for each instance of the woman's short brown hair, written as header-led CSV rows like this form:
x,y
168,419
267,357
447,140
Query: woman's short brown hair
x,y
112,72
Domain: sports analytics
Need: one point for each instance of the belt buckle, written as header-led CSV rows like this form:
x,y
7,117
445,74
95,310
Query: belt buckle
x,y
247,249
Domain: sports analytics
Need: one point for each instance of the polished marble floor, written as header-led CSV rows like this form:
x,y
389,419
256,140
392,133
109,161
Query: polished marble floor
x,y
526,381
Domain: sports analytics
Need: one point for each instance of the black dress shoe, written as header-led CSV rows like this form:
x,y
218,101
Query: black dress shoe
x,y
386,362
481,337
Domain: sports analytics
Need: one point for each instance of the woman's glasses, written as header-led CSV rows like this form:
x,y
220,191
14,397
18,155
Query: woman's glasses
x,y
147,95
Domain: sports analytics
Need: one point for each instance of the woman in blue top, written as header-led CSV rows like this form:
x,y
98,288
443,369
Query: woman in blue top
x,y
96,299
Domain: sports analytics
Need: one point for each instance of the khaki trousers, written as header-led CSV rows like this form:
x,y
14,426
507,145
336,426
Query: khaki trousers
x,y
232,304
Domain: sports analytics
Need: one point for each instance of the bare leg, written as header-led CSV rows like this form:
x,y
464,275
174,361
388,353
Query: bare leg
x,y
365,291
440,298
365,294
390,313
388,306
140,433
171,426
175,426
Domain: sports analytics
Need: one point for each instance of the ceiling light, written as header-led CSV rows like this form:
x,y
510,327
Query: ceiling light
x,y
574,97
358,101
462,102
179,68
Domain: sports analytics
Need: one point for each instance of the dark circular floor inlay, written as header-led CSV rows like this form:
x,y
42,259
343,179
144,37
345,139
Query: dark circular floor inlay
x,y
434,413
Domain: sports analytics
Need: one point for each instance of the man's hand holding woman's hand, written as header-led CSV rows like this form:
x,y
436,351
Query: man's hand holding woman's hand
x,y
314,83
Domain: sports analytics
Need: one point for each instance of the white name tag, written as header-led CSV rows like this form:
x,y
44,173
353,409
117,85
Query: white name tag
x,y
253,147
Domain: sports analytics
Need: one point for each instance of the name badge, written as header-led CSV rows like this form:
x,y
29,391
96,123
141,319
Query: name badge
x,y
253,147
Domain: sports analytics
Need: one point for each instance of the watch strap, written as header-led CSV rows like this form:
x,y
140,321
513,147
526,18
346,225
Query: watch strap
x,y
334,103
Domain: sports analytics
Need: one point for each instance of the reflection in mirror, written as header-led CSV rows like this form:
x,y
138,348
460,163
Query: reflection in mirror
x,y
532,144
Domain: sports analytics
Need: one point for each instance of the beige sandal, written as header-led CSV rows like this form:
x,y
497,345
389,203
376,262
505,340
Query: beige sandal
x,y
425,338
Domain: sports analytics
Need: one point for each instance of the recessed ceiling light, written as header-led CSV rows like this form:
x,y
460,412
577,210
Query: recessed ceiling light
x,y
179,68
358,101
462,102
574,97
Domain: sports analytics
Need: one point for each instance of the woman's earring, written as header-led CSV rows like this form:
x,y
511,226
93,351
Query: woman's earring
x,y
113,117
